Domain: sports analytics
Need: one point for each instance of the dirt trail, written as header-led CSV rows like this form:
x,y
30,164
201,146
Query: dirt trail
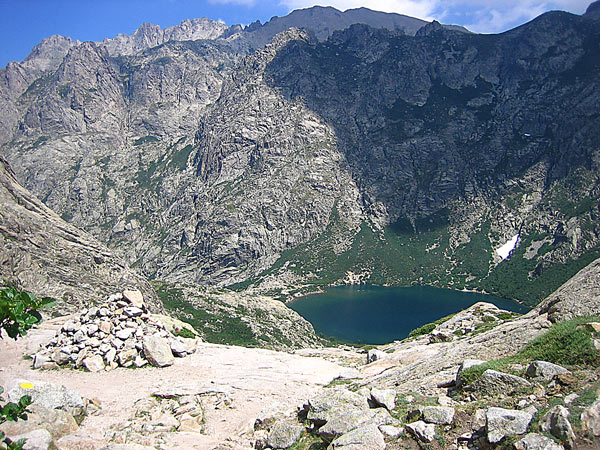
x,y
250,379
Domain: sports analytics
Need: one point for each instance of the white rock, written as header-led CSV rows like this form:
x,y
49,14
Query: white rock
x,y
125,333
94,363
375,355
505,422
384,397
423,431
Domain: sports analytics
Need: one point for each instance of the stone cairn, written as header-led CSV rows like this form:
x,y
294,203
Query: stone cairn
x,y
119,333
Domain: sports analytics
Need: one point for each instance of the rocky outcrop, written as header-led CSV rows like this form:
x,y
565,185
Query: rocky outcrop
x,y
45,255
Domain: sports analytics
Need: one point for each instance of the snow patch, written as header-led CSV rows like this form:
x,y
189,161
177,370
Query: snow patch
x,y
505,250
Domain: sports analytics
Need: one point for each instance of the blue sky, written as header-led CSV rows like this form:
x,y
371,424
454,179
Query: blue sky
x,y
23,23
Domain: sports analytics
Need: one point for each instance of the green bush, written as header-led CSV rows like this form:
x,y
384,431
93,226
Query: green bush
x,y
184,333
19,311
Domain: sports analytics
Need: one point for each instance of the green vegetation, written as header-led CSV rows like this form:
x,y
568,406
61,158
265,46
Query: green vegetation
x,y
428,328
19,311
216,324
145,140
13,412
184,333
566,343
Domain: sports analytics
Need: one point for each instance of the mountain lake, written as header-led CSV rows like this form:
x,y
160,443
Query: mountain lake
x,y
378,315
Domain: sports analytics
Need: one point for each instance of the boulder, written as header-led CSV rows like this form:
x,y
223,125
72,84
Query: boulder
x,y
502,422
533,441
493,382
391,431
343,419
125,333
384,397
425,432
135,298
367,437
556,422
321,406
39,439
284,435
375,355
46,395
57,422
158,351
440,415
590,419
94,363
545,370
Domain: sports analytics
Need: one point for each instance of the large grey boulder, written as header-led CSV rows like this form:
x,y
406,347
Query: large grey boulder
x,y
321,406
384,397
534,441
158,351
590,419
284,435
47,395
344,419
423,431
39,439
544,369
94,363
440,415
493,382
502,422
556,422
367,437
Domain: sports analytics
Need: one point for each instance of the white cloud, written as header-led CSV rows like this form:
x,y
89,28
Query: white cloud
x,y
484,16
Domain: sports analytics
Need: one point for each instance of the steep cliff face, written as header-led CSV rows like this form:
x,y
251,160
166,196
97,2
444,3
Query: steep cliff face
x,y
374,156
46,255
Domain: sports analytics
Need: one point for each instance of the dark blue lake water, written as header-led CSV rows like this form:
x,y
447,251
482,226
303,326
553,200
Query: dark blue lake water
x,y
378,315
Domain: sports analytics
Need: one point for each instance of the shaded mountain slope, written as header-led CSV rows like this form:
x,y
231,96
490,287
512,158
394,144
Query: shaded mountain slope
x,y
46,255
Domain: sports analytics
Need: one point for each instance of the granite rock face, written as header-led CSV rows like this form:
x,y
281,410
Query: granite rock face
x,y
50,257
202,161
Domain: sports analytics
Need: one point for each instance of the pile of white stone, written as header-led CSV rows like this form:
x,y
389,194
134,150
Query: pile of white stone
x,y
119,333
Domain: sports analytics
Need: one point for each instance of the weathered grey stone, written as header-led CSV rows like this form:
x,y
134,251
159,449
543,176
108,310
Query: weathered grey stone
x,y
384,397
179,348
544,370
57,422
423,431
502,422
375,355
39,360
556,422
329,399
45,394
440,415
534,441
366,437
134,297
342,419
125,333
284,435
132,311
126,357
494,382
590,419
94,363
391,431
39,439
158,351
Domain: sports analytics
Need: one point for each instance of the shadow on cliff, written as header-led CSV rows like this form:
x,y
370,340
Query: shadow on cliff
x,y
425,120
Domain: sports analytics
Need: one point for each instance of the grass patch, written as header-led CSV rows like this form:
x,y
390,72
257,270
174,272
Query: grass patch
x,y
428,327
566,343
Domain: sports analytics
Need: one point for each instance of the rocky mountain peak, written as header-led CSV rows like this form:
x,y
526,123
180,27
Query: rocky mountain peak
x,y
49,53
593,10
149,35
430,28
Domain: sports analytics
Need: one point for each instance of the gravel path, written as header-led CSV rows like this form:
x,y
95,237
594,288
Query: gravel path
x,y
250,379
